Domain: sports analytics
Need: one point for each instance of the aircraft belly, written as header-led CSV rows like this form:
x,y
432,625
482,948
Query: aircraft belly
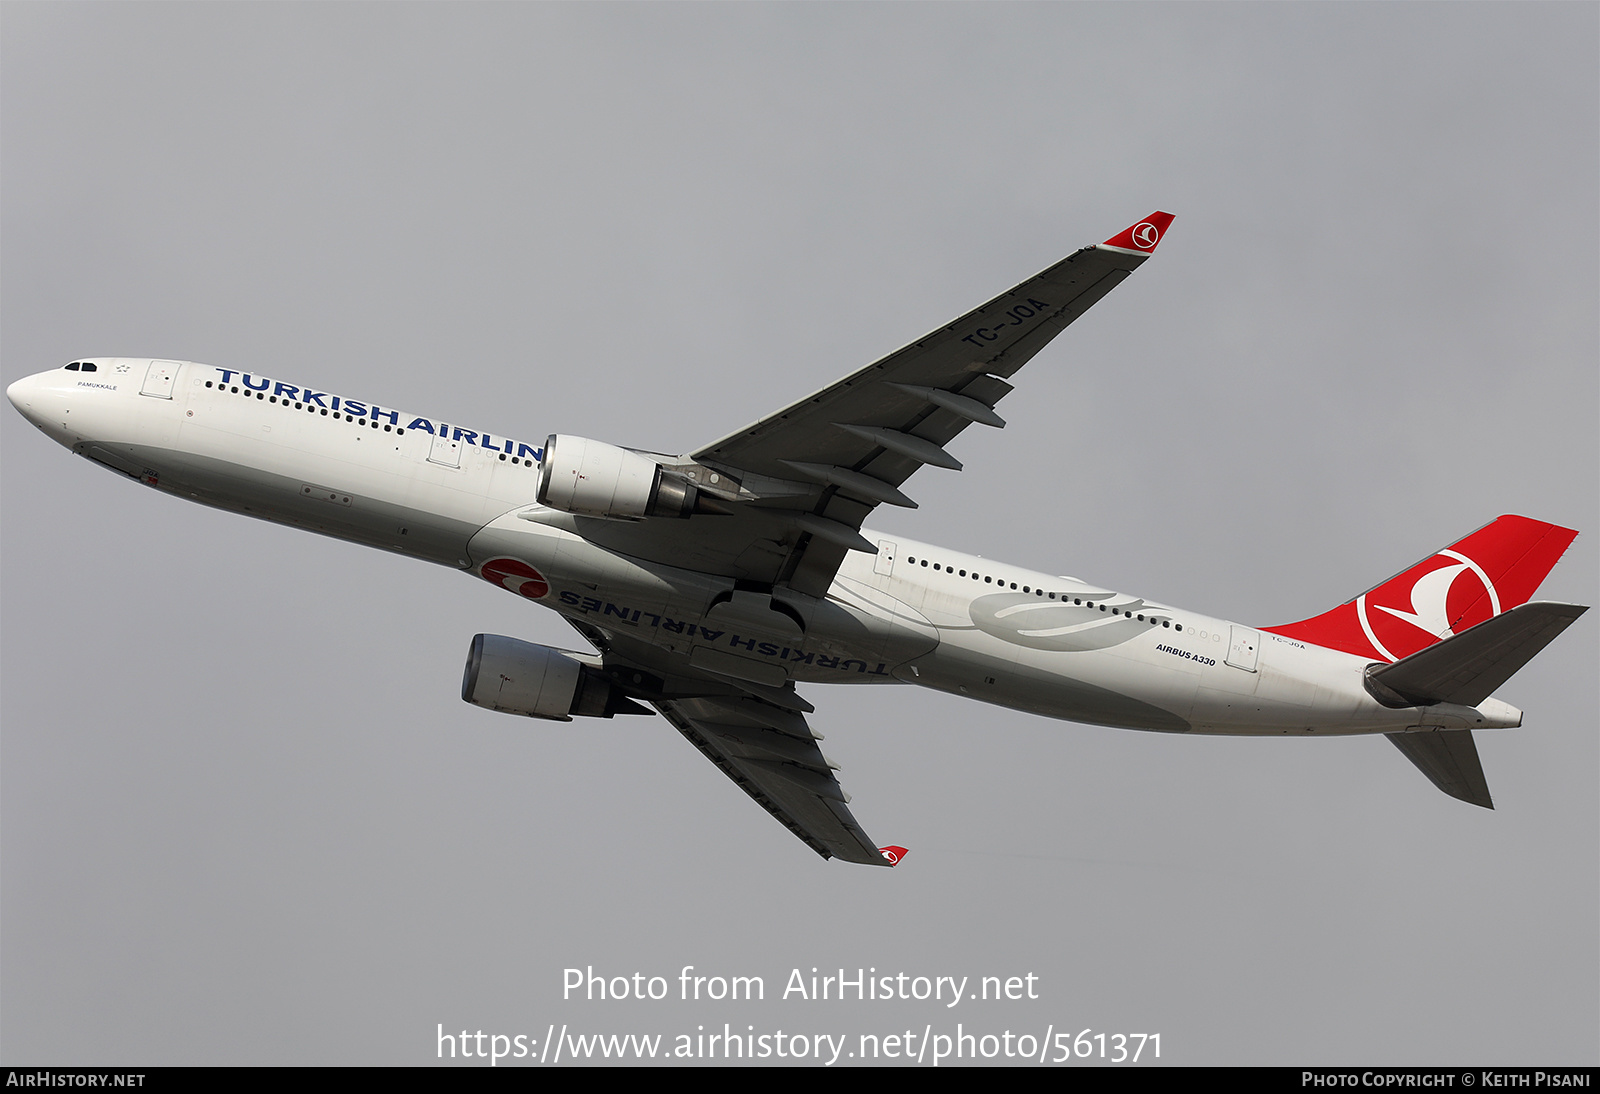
x,y
306,501
1296,688
1092,687
852,637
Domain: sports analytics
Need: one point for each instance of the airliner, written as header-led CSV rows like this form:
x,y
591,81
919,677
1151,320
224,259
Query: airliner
x,y
711,585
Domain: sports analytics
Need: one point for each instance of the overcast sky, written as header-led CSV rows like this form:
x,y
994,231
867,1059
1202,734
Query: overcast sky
x,y
245,816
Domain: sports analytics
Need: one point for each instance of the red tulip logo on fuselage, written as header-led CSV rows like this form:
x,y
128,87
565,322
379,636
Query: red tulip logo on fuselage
x,y
519,577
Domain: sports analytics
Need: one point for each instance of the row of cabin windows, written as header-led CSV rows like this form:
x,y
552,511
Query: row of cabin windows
x,y
399,430
1065,599
225,389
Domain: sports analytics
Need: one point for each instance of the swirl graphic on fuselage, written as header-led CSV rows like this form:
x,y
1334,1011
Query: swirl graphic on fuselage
x,y
1024,620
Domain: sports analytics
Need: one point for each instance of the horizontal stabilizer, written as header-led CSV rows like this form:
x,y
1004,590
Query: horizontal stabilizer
x,y
1468,667
1450,760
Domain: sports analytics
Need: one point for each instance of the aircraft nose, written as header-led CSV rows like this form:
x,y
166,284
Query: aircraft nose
x,y
22,394
38,399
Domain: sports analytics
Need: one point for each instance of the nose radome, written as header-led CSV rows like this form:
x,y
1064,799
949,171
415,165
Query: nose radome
x,y
31,395
20,391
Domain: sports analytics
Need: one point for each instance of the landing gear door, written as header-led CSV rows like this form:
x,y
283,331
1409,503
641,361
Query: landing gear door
x,y
159,378
1244,648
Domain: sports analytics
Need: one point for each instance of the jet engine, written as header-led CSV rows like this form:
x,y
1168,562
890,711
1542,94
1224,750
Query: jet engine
x,y
595,479
518,677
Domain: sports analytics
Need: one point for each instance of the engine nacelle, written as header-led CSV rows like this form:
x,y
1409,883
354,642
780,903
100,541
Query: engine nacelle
x,y
517,677
595,479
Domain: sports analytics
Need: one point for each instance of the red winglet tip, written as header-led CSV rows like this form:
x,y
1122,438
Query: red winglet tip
x,y
1143,236
893,854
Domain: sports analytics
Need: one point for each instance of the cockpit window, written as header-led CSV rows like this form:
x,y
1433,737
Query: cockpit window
x,y
89,366
73,367
83,366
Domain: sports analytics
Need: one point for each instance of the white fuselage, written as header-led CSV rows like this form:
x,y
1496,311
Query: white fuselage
x,y
912,613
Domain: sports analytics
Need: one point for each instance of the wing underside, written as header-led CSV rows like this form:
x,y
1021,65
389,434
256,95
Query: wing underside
x,y
756,735
804,479
771,754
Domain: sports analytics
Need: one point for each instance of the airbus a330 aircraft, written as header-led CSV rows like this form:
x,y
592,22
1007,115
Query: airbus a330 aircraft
x,y
711,584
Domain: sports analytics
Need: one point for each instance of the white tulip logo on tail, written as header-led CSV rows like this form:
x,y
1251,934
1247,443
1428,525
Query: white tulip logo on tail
x,y
1442,602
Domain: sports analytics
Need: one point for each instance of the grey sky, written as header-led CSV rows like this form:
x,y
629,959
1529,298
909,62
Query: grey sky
x,y
246,817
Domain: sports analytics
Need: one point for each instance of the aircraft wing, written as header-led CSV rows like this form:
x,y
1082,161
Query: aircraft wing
x,y
772,755
797,485
802,481
857,440
757,735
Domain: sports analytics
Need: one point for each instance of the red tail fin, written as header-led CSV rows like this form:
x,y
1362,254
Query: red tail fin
x,y
1495,568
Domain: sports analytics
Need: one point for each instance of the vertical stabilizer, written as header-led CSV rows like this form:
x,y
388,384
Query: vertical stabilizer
x,y
1494,569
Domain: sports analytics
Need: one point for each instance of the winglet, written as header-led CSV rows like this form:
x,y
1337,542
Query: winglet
x,y
1141,238
893,854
